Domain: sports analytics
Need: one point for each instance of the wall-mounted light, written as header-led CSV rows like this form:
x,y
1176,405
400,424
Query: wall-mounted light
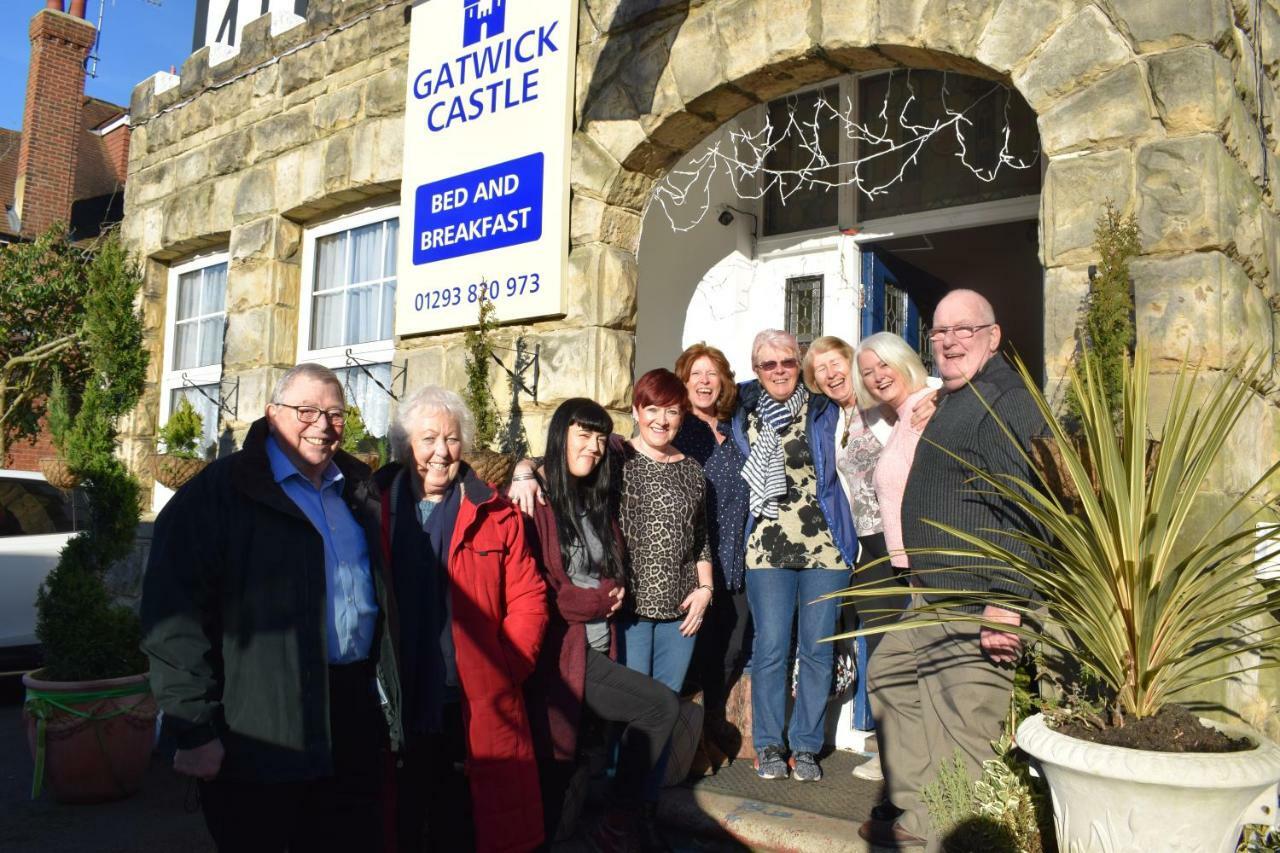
x,y
726,217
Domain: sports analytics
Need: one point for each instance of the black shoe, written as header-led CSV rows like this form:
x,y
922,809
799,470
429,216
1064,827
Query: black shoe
x,y
651,840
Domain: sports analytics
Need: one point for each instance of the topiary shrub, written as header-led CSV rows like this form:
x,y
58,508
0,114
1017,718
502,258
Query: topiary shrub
x,y
85,635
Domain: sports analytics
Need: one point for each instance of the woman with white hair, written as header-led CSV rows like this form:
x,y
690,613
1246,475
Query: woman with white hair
x,y
894,380
471,609
801,543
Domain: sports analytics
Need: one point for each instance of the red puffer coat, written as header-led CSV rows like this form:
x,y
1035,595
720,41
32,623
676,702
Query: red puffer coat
x,y
499,606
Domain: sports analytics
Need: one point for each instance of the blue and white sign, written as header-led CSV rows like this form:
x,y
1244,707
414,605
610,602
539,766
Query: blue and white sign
x,y
485,189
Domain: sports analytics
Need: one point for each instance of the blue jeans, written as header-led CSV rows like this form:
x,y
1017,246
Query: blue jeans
x,y
658,650
775,596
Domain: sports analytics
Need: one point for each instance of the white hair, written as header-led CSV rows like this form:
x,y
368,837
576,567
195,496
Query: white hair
x,y
776,338
426,401
307,370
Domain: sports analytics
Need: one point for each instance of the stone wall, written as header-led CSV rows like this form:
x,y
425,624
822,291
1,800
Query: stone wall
x,y
1154,104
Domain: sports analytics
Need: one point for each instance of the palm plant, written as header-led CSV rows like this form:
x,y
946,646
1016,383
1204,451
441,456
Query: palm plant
x,y
1133,590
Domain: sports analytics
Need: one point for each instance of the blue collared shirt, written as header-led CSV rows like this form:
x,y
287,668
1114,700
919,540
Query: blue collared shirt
x,y
351,606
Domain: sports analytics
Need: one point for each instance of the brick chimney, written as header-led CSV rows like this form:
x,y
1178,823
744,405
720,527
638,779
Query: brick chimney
x,y
52,122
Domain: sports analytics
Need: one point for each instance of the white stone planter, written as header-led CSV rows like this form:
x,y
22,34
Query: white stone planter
x,y
1115,800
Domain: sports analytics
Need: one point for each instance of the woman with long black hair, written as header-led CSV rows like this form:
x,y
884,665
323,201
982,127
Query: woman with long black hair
x,y
582,559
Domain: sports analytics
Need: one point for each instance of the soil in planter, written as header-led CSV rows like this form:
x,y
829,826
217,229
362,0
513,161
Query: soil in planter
x,y
1172,729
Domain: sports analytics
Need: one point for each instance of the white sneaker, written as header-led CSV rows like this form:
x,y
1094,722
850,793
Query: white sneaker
x,y
870,769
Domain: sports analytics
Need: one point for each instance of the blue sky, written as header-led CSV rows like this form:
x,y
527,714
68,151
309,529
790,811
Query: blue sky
x,y
139,38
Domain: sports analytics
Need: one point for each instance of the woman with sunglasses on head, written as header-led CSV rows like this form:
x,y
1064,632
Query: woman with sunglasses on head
x,y
582,558
801,543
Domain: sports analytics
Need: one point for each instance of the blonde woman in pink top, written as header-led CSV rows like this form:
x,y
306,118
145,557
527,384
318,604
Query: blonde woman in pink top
x,y
893,379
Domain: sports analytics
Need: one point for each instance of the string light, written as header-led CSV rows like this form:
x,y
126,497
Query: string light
x,y
744,155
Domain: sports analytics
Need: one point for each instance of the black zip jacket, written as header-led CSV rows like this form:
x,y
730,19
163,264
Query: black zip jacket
x,y
233,618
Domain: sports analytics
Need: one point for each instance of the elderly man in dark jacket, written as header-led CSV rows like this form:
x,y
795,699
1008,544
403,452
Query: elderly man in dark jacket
x,y
267,623
943,689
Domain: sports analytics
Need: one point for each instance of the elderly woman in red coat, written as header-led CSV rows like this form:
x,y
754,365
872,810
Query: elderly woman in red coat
x,y
471,609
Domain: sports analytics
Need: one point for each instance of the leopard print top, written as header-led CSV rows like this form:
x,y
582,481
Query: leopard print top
x,y
664,523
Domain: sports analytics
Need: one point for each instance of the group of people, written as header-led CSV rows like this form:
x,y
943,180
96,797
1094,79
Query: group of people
x,y
410,659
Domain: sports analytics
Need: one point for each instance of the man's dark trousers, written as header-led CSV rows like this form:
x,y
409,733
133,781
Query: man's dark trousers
x,y
340,813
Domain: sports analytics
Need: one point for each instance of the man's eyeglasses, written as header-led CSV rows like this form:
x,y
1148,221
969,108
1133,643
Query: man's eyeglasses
x,y
310,414
962,333
770,366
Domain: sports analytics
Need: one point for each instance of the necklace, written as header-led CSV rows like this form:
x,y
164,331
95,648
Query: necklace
x,y
652,453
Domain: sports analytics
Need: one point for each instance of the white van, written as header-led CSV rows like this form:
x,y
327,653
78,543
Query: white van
x,y
36,520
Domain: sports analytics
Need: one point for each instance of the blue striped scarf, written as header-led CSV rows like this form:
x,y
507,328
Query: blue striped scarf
x,y
765,470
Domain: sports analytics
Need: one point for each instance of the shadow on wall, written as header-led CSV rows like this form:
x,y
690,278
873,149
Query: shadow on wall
x,y
638,63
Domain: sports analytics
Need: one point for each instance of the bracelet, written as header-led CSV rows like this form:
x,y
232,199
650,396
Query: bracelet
x,y
518,477
708,587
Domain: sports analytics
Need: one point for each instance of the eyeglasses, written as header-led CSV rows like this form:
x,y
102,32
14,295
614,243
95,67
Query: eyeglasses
x,y
962,333
310,414
770,366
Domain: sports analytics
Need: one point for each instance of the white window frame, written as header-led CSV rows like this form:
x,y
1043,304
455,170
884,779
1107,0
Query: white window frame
x,y
336,357
171,378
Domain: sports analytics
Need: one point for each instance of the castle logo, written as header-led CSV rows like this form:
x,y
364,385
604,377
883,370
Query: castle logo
x,y
484,20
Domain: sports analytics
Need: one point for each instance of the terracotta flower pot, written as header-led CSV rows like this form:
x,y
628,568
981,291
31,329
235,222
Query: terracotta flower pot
x,y
55,470
91,740
174,472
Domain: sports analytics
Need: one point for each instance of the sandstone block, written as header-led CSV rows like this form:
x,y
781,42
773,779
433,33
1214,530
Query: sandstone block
x,y
302,68
1084,48
255,195
900,22
1113,110
1075,192
1159,26
589,361
337,162
618,136
147,185
1066,291
386,92
191,168
757,35
1194,195
592,169
282,132
1192,88
847,25
338,109
229,153
601,287
955,26
1016,29
1200,305
696,55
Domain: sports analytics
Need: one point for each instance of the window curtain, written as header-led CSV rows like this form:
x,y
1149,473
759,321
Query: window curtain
x,y
361,391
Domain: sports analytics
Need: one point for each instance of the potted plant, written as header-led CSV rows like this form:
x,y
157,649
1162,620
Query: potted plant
x,y
180,437
1150,590
89,711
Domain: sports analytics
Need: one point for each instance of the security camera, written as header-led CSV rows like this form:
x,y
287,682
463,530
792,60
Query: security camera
x,y
725,218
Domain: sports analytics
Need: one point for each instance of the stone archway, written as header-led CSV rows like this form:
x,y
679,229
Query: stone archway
x,y
1109,90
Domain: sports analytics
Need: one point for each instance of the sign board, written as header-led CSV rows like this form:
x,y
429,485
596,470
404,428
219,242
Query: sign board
x,y
484,197
222,21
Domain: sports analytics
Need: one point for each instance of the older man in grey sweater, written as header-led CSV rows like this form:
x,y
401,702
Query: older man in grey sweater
x,y
943,688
